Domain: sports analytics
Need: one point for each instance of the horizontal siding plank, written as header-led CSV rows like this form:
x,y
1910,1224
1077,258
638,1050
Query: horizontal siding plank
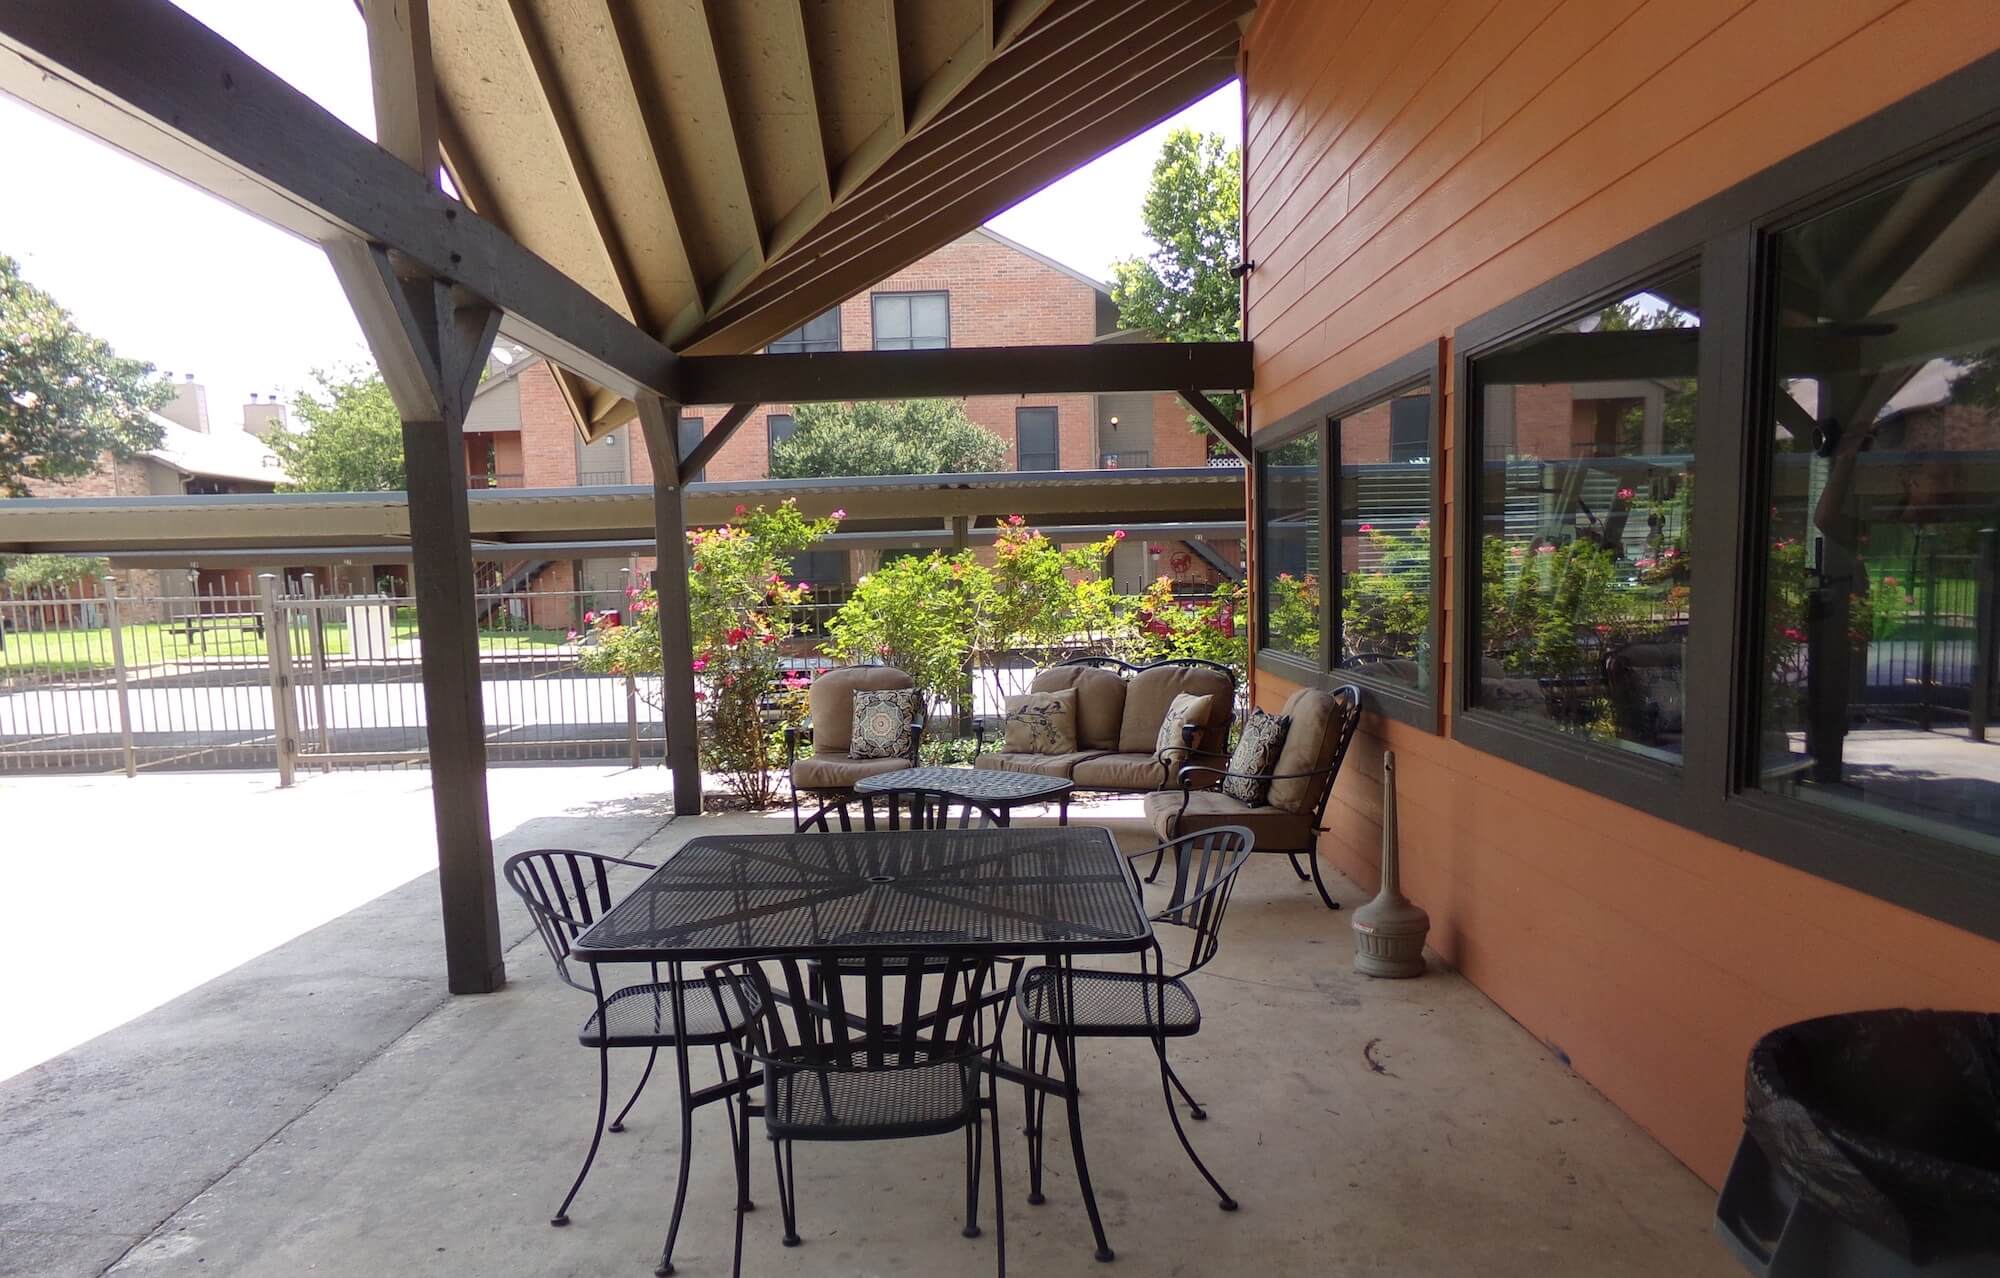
x,y
1300,67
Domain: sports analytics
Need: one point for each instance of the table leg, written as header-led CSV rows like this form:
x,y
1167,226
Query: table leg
x,y
679,1000
1066,1053
1062,815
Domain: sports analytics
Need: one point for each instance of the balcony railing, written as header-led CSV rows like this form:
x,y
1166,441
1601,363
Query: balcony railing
x,y
1126,459
598,478
504,479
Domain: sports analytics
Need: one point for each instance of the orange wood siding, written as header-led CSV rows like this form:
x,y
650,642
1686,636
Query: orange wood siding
x,y
1408,167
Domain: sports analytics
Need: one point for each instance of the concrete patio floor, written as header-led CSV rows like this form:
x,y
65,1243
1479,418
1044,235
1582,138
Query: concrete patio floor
x,y
324,1108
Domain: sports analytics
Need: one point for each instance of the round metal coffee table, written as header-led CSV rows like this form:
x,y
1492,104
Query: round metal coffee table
x,y
993,792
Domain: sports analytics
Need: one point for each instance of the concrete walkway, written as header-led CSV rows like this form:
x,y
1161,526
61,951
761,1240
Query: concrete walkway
x,y
325,1108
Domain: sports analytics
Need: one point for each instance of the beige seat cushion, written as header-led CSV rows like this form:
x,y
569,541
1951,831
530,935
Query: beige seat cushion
x,y
1042,765
833,770
1122,772
1276,829
1100,702
831,701
1310,744
1151,691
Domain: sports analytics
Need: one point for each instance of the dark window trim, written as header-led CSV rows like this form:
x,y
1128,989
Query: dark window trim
x,y
874,330
1712,793
801,346
1396,700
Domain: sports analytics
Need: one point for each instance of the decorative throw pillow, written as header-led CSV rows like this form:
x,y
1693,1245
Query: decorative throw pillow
x,y
1041,722
1171,747
883,721
1256,751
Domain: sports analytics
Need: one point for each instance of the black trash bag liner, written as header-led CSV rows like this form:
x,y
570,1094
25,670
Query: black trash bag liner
x,y
1890,1121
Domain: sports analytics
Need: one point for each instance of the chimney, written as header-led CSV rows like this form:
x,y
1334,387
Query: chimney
x,y
189,406
263,419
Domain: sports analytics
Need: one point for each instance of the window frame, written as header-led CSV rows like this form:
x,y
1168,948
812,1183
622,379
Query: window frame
x,y
771,440
1417,707
907,296
806,345
1715,790
1055,436
681,443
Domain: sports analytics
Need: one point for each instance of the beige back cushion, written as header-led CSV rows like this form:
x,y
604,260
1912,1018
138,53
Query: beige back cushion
x,y
1151,691
1310,745
832,702
1100,702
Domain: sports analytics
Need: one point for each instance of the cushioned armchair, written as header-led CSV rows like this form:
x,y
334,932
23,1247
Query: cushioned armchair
x,y
1293,815
826,775
1119,709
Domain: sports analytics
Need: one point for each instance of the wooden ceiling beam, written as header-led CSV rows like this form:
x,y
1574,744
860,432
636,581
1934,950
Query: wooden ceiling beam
x,y
1054,60
1012,17
972,167
646,105
735,151
145,77
817,97
967,370
560,115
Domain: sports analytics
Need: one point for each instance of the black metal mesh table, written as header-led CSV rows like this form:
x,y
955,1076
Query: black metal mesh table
x,y
1002,892
992,790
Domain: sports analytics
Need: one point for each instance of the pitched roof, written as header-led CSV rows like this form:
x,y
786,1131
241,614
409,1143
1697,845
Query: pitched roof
x,y
230,454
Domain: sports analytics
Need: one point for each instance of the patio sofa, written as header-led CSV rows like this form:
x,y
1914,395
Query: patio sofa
x,y
1119,709
826,776
1293,814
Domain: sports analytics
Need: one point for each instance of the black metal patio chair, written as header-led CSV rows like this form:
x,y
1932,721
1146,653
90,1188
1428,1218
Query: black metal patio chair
x,y
892,1049
1082,1003
565,892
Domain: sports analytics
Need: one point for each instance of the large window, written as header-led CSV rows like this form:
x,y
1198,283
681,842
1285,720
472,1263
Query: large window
x,y
1384,498
912,321
1288,564
1037,439
1586,432
778,427
692,429
821,333
1883,495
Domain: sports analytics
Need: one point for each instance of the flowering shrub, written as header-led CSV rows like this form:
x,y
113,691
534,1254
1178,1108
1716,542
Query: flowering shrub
x,y
1210,629
740,609
1045,596
918,614
1386,608
1292,613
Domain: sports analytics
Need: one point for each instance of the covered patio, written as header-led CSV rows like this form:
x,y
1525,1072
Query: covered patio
x,y
384,1127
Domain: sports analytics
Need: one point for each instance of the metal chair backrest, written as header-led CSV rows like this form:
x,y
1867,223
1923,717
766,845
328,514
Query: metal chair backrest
x,y
565,892
885,1010
1349,697
1205,867
925,809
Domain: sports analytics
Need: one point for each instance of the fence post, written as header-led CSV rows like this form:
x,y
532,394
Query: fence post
x,y
118,675
1984,578
632,718
277,651
1928,675
316,645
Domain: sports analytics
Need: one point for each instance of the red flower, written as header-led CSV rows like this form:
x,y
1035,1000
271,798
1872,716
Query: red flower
x,y
590,618
1368,528
1795,634
769,638
738,635
1624,494
699,695
1015,521
742,509
882,651
729,681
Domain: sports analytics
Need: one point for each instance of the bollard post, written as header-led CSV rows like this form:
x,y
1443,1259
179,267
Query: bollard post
x,y
316,643
632,718
118,675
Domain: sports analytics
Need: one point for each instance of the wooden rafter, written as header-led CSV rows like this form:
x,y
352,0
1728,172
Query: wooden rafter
x,y
638,87
561,116
735,151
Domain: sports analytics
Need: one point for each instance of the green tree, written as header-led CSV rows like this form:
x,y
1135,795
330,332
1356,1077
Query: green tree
x,y
48,572
352,437
902,437
66,397
1183,291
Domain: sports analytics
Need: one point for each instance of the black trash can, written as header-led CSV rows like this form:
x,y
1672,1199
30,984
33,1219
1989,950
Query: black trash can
x,y
1871,1149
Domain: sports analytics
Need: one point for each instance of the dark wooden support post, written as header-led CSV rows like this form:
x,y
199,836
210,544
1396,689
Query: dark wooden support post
x,y
660,422
1218,421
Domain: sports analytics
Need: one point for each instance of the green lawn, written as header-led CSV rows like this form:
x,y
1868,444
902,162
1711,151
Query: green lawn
x,y
147,644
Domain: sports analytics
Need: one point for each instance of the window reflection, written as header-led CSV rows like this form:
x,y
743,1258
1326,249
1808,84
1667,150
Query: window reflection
x,y
1585,573
1290,566
1884,498
1384,501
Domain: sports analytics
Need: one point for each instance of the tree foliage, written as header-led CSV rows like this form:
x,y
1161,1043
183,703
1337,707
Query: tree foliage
x,y
902,437
48,573
65,396
1182,291
349,437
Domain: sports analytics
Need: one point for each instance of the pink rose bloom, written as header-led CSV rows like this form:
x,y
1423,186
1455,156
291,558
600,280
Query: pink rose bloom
x,y
1624,494
804,586
700,664
1367,528
1118,534
1423,523
742,509
882,651
590,618
839,514
699,695
1671,552
1795,634
729,681
1643,563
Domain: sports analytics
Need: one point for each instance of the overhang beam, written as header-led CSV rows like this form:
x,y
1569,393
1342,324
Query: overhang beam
x,y
974,370
143,76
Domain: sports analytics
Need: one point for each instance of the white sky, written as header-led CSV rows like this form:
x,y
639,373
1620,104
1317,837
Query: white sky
x,y
169,275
